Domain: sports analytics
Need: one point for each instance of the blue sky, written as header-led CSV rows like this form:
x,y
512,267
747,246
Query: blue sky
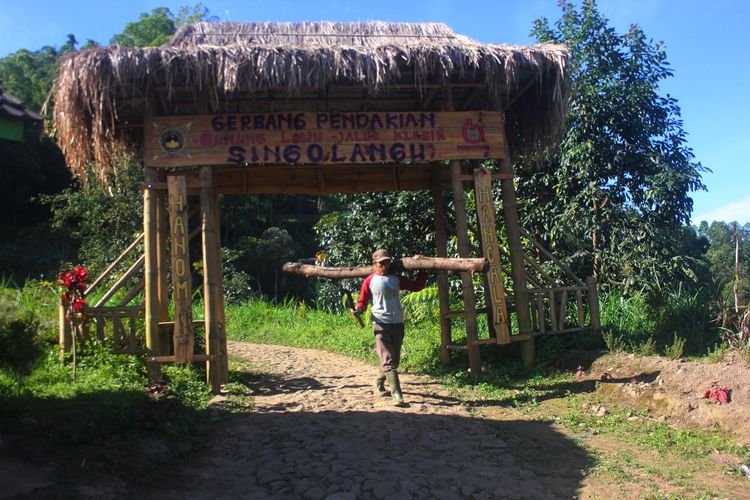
x,y
705,45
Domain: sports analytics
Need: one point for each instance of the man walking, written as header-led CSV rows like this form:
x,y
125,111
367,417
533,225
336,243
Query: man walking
x,y
381,290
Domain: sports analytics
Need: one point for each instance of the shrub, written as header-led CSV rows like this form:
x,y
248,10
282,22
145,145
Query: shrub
x,y
675,350
20,343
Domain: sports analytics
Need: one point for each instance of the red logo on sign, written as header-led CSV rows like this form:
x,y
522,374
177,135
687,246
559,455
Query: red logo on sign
x,y
473,133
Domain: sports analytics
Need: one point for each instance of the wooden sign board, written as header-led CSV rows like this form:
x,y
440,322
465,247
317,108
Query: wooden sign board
x,y
181,283
491,252
324,138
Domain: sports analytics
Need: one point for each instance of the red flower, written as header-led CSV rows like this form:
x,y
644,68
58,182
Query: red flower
x,y
82,273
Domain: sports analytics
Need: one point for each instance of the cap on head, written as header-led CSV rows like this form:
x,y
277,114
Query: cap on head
x,y
381,254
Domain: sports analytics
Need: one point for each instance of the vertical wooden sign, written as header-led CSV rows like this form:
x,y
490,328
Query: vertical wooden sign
x,y
491,252
183,312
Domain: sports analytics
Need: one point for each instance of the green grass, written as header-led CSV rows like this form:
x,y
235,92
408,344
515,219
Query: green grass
x,y
295,324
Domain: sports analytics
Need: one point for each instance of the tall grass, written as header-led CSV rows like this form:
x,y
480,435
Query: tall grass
x,y
672,322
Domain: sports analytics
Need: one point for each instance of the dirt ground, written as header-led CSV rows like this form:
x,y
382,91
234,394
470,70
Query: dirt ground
x,y
676,389
317,432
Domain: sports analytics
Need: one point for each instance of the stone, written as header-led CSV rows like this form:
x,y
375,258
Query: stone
x,y
314,493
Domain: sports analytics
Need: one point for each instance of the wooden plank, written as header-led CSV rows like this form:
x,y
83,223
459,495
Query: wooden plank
x,y
196,322
542,321
181,283
114,264
563,308
593,304
456,347
579,308
321,138
485,206
172,359
100,324
132,270
137,289
553,310
117,330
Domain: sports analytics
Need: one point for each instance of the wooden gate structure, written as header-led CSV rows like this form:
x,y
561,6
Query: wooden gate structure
x,y
320,108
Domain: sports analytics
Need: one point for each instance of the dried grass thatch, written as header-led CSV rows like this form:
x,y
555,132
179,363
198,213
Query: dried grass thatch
x,y
95,85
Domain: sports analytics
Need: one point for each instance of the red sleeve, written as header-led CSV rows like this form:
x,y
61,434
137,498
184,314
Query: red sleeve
x,y
413,285
364,294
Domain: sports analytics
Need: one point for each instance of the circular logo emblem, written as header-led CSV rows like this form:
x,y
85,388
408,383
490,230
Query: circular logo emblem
x,y
473,133
172,140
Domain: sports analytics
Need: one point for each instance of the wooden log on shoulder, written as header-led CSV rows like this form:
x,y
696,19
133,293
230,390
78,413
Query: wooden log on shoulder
x,y
405,264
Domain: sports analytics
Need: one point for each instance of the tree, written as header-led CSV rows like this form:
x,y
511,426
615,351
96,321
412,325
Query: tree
x,y
29,75
357,224
721,255
617,192
150,30
158,27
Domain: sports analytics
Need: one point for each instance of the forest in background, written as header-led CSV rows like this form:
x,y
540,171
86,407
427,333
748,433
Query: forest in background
x,y
613,201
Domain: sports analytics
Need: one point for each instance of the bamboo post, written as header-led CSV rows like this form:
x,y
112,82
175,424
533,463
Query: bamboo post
x,y
441,244
64,337
515,248
162,266
184,340
217,368
467,283
150,274
593,303
462,233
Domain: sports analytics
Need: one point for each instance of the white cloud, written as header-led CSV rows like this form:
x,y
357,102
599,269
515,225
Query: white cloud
x,y
738,211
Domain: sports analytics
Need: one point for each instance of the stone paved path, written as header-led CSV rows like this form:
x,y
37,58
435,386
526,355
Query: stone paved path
x,y
318,432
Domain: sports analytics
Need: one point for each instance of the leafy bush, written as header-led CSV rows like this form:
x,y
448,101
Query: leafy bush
x,y
20,344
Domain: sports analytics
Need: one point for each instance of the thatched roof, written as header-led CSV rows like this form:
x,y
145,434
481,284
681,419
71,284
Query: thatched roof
x,y
103,94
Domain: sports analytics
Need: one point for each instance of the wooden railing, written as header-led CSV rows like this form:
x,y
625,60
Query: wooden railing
x,y
126,320
559,301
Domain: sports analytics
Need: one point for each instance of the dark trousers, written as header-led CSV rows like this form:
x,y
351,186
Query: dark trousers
x,y
388,340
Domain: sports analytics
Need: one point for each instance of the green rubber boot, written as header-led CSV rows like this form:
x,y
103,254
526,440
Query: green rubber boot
x,y
395,385
380,385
